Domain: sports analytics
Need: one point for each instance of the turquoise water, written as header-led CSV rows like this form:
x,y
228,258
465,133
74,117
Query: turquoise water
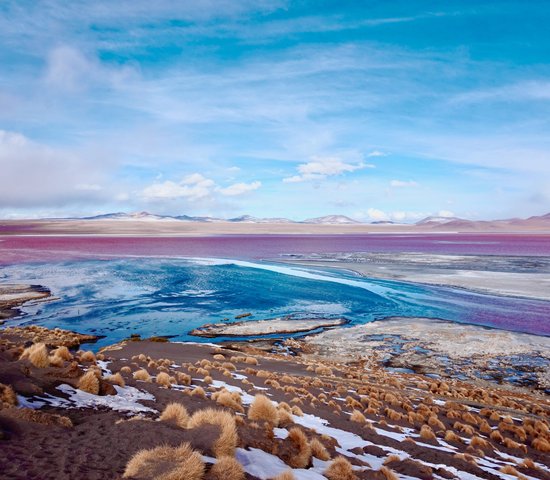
x,y
156,296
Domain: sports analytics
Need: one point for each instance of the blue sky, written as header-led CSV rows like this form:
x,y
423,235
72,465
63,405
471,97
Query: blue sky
x,y
374,109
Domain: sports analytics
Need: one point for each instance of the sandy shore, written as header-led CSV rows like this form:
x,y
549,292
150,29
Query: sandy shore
x,y
485,274
13,296
74,419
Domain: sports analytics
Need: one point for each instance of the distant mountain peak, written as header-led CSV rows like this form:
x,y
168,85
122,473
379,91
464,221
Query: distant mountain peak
x,y
332,220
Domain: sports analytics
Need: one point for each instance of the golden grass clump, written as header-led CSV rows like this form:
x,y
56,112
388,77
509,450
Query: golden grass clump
x,y
251,361
198,392
89,383
509,470
528,463
228,366
227,468
508,442
183,378
541,444
318,450
461,427
340,469
285,417
296,410
164,379
322,370
358,417
87,357
496,436
175,413
219,356
8,398
54,361
392,458
126,370
262,408
142,375
301,451
478,442
435,423
37,354
286,475
427,433
227,442
451,436
229,400
183,464
63,353
388,474
116,379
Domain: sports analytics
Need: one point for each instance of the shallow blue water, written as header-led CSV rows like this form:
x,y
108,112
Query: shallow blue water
x,y
152,296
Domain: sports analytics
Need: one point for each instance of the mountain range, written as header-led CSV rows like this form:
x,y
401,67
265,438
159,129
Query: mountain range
x,y
431,222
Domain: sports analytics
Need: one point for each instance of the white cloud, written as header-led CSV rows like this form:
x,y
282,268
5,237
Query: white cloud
x,y
192,187
377,153
445,213
403,183
377,215
240,188
322,167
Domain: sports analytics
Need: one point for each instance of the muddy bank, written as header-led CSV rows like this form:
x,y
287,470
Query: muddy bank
x,y
285,325
442,348
13,296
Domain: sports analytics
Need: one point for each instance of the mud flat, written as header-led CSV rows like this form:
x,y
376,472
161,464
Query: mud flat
x,y
285,325
442,348
14,295
520,276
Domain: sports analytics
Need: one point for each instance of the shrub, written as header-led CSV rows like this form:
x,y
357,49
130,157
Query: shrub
x,y
262,408
126,369
322,370
340,469
427,433
143,375
225,445
296,410
185,463
175,413
251,361
226,468
54,361
183,378
388,474
541,444
198,392
8,398
219,356
226,399
301,451
89,383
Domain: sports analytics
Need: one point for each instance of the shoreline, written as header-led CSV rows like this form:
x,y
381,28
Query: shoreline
x,y
459,279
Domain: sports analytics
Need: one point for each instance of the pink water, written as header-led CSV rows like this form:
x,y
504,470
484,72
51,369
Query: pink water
x,y
23,249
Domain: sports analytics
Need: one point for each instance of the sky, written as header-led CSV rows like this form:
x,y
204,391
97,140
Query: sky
x,y
373,109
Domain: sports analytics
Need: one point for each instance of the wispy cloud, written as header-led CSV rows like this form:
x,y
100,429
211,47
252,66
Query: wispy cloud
x,y
322,167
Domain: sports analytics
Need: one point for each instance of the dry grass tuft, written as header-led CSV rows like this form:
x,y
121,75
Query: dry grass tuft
x,y
340,469
219,356
126,370
528,463
228,366
175,413
478,442
541,444
427,433
227,442
388,474
509,470
37,354
251,361
143,375
322,370
89,383
358,417
183,378
54,361
301,449
166,463
116,379
318,450
226,399
451,436
63,353
226,468
198,392
164,380
87,357
8,398
296,410
262,408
